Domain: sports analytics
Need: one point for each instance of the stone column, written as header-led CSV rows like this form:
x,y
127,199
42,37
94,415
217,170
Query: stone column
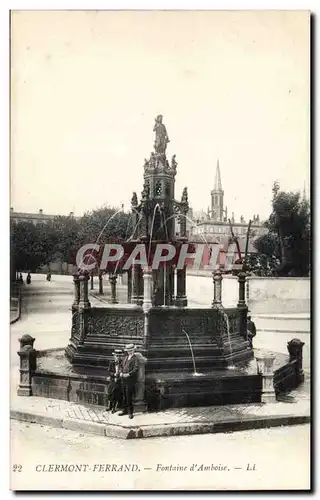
x,y
295,347
247,291
91,280
129,285
147,305
183,225
136,297
84,292
170,285
242,285
84,306
76,282
100,283
265,369
217,289
242,306
147,289
181,298
113,283
28,364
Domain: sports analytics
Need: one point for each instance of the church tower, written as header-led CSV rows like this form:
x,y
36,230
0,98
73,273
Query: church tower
x,y
217,198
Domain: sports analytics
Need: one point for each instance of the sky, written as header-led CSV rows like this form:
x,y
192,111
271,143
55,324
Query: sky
x,y
87,85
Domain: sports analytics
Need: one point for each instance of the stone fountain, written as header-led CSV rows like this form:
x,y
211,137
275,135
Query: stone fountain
x,y
189,351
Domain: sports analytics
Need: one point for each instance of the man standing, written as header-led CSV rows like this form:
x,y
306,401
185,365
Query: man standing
x,y
129,373
114,389
251,329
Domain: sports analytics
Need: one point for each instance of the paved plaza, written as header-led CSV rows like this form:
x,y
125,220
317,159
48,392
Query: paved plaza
x,y
46,315
37,447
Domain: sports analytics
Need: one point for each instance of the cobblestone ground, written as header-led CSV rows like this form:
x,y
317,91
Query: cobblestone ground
x,y
34,445
281,455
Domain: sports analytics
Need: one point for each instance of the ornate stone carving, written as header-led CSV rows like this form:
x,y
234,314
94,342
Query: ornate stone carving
x,y
145,194
134,200
184,197
157,189
114,326
75,328
174,164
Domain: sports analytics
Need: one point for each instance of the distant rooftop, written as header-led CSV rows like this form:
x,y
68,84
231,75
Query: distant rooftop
x,y
35,216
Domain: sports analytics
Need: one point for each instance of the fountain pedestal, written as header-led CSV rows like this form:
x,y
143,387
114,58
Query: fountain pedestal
x,y
113,283
28,364
265,369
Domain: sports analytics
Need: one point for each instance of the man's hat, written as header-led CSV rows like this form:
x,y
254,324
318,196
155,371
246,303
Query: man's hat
x,y
117,351
129,347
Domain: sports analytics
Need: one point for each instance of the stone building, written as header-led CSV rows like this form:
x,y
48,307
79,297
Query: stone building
x,y
35,218
213,225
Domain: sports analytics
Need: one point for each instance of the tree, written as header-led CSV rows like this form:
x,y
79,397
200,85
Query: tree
x,y
285,249
60,239
101,226
66,230
105,224
29,247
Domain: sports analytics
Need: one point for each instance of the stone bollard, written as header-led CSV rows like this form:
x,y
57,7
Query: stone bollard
x,y
147,289
91,282
242,289
217,289
76,282
265,368
140,403
28,364
84,292
295,347
113,283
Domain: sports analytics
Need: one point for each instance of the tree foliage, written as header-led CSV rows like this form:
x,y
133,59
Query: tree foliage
x,y
35,245
104,225
31,246
285,249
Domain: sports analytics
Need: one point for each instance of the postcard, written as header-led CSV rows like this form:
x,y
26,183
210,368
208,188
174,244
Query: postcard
x,y
160,250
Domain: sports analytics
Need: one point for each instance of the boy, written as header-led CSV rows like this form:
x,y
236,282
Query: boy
x,y
114,388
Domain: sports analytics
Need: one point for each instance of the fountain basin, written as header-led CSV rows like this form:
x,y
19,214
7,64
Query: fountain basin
x,y
226,372
160,336
56,378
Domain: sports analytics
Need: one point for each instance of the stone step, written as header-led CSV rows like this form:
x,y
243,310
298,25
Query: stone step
x,y
282,323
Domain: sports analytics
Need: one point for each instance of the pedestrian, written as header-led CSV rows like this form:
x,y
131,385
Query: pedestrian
x,y
129,374
49,276
114,388
28,279
251,330
20,278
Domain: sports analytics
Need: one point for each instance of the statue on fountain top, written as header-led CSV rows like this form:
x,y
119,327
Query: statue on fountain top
x,y
162,138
